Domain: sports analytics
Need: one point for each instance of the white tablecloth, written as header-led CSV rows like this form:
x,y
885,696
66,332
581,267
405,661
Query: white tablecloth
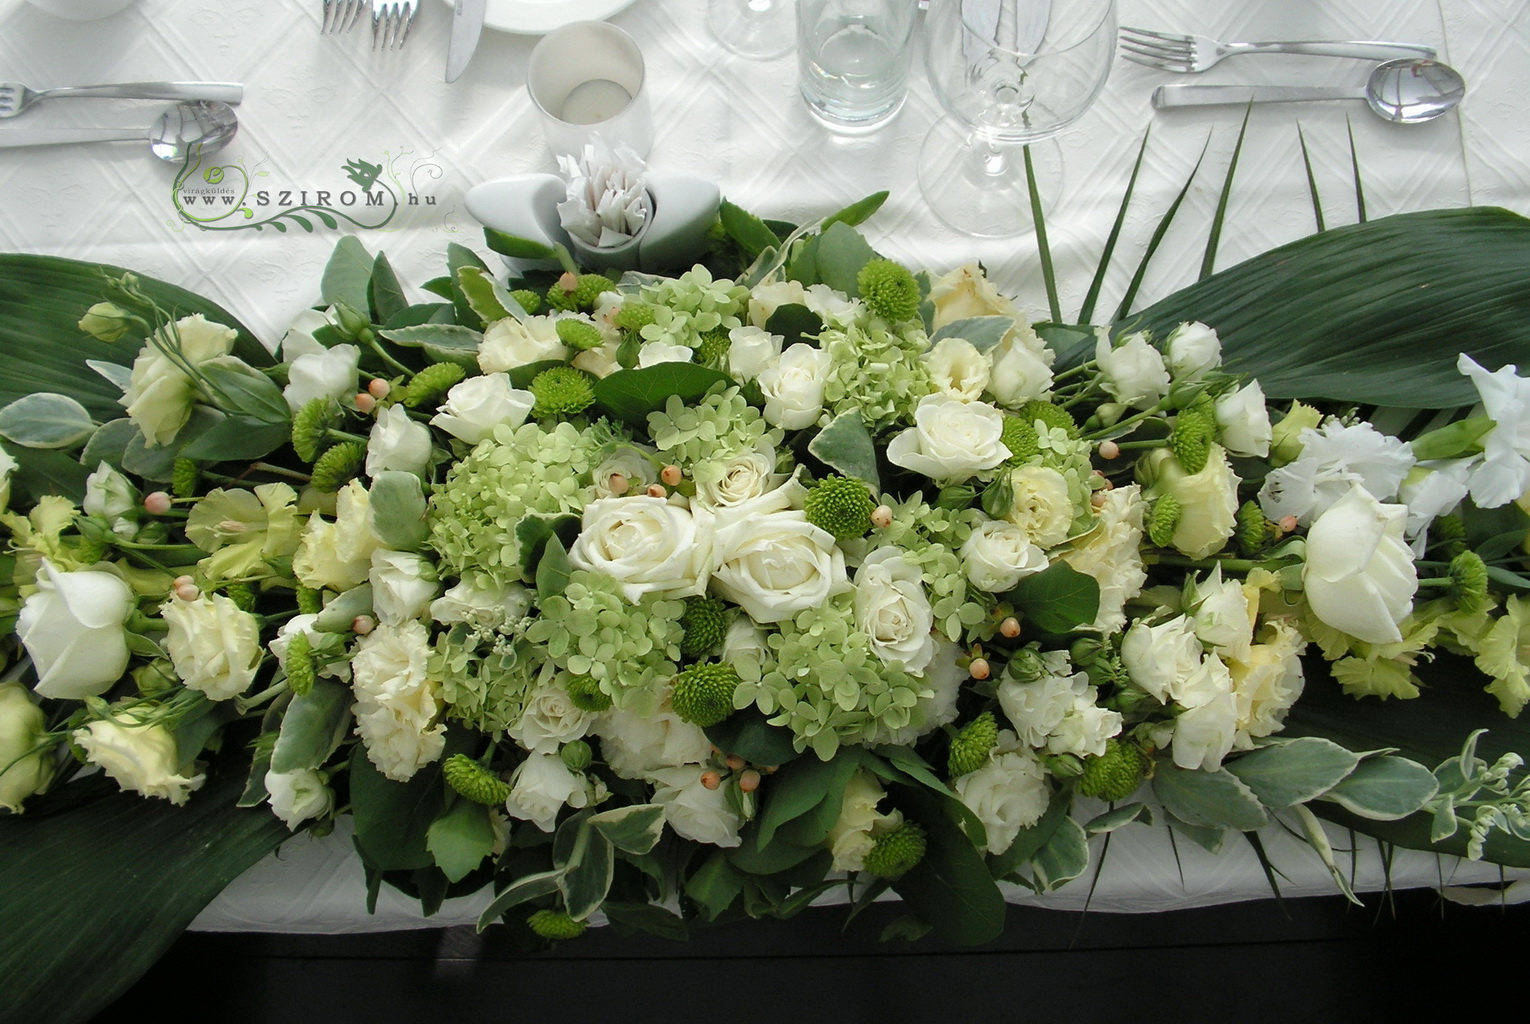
x,y
315,103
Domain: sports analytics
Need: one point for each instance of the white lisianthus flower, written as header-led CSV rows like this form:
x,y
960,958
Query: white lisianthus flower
x,y
892,609
338,554
479,600
139,758
695,812
509,343
1504,473
1333,459
964,293
1208,499
656,352
999,554
474,407
854,832
1431,490
160,394
542,785
398,442
1007,794
25,768
1243,421
767,298
951,440
957,369
73,626
1267,682
111,496
1192,350
1041,506
1058,714
299,795
1223,615
647,544
1359,576
833,307
327,373
213,643
776,564
403,585
299,338
1112,554
397,704
549,720
1020,373
1158,657
637,745
751,350
1205,734
1133,371
793,387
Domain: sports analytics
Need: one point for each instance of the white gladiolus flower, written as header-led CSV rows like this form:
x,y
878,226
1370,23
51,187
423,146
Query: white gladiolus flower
x,y
1504,473
1431,490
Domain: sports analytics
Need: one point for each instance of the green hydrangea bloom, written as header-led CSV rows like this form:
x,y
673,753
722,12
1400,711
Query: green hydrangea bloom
x,y
841,505
687,307
897,851
888,290
722,425
931,539
473,781
877,372
703,693
487,689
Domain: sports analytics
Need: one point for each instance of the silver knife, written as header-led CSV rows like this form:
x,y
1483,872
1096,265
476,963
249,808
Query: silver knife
x,y
467,25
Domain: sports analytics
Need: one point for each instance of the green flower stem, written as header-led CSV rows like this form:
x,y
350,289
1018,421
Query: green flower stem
x,y
1077,371
345,435
246,704
1130,421
290,474
1243,565
383,354
1127,446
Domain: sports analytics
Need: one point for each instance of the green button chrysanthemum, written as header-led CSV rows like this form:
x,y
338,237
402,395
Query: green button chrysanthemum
x,y
299,664
705,623
579,335
889,290
587,695
841,505
1116,774
1164,520
1469,581
311,426
339,465
896,851
184,478
1194,430
971,746
527,299
582,297
1254,531
473,781
555,924
1054,416
431,383
1021,439
561,391
703,694
633,316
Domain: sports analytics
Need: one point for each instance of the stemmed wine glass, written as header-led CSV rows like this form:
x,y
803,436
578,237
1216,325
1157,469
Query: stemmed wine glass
x,y
756,29
1012,73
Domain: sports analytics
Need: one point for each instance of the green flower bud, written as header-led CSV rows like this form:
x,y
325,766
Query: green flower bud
x,y
1285,440
840,505
971,746
705,623
889,290
703,693
431,383
1116,774
336,467
299,664
577,755
473,781
1469,581
561,391
896,851
107,321
1254,531
555,924
527,299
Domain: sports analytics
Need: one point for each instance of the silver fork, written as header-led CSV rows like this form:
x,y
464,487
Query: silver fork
x,y
1187,54
340,15
15,97
391,21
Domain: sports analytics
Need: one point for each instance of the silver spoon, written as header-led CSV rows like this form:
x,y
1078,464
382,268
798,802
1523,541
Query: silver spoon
x,y
186,129
1409,90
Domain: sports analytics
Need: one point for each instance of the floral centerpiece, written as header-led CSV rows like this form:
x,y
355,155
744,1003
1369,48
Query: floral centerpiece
x,y
663,598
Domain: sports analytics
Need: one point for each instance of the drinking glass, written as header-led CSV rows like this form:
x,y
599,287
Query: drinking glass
x,y
853,58
756,29
1011,73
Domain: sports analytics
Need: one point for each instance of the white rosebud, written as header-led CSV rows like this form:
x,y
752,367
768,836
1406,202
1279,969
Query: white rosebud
x,y
72,625
111,496
328,373
160,394
510,343
1193,350
767,298
403,585
398,442
999,554
951,440
854,833
750,351
1359,576
141,758
25,770
542,785
892,609
474,407
793,387
299,795
1020,373
1243,421
964,293
1132,370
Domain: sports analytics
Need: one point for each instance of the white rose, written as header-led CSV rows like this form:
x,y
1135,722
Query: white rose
x,y
635,467
550,719
767,298
1204,734
964,293
214,644
509,343
1208,500
1193,350
1243,421
957,369
656,352
328,373
480,600
1019,373
1223,615
1359,576
1112,554
299,795
141,758
338,554
398,442
397,703
1041,505
403,585
695,812
160,394
747,482
72,626
474,407
25,770
637,745
854,833
541,786
646,544
951,440
745,641
1157,657
793,387
999,554
1007,794
751,350
892,609
1133,371
776,564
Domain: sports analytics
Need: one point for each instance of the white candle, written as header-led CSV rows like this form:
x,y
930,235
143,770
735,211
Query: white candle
x,y
594,101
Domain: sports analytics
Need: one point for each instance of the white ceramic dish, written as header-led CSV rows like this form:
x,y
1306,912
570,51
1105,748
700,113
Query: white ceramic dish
x,y
537,17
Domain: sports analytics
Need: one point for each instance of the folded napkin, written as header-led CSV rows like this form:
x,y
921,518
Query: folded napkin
x,y
608,201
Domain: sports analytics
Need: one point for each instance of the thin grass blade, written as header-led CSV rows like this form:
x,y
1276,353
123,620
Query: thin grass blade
x,y
1086,312
1044,250
1157,238
1215,235
1312,189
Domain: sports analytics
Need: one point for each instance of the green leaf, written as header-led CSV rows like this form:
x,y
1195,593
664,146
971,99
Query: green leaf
x,y
630,395
1215,234
1407,294
1043,247
845,446
1156,239
858,211
749,231
338,615
313,727
747,734
527,887
1118,817
1312,189
905,760
1091,297
1207,838
1318,840
1385,788
1293,771
457,257
109,443
842,252
715,885
516,247
533,531
42,471
983,332
385,296
1063,858
347,274
805,785
1029,841
587,879
951,887
770,858
46,420
628,918
1354,164
553,570
1058,599
393,818
396,509
93,862
460,839
478,288
794,322
236,438
248,391
441,337
633,829
1216,799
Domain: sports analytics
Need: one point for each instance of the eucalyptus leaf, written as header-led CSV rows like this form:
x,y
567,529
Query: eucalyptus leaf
x,y
438,337
337,616
1215,799
313,727
396,509
983,332
842,252
46,420
109,443
846,447
1385,788
749,231
460,839
1294,771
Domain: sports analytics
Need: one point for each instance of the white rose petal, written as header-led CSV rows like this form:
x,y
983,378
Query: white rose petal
x,y
646,544
1020,373
398,442
776,564
1359,576
1158,657
854,833
999,554
474,407
73,628
510,343
751,350
328,373
26,756
637,745
793,387
141,758
656,352
549,720
541,786
951,440
696,813
160,394
892,609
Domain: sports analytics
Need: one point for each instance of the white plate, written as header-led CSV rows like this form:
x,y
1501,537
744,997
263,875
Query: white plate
x,y
538,17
